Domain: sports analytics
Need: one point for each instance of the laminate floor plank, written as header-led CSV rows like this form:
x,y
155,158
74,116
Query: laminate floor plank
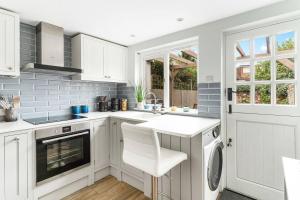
x,y
108,188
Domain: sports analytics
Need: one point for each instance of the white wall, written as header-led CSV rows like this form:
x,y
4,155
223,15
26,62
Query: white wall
x,y
210,38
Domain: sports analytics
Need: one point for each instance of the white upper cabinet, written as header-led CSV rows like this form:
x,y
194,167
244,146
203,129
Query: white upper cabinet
x,y
100,60
114,61
9,43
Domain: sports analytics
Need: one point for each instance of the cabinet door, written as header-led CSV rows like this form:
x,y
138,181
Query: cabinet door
x,y
127,168
92,58
15,166
114,61
114,143
9,44
101,139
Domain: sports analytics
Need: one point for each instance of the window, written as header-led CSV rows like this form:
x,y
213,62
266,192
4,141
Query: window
x,y
155,78
265,70
172,76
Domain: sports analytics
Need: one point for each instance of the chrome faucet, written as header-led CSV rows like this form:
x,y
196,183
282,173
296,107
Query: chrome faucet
x,y
155,101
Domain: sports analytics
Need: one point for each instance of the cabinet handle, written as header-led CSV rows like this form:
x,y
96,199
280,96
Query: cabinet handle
x,y
115,123
121,141
17,140
9,68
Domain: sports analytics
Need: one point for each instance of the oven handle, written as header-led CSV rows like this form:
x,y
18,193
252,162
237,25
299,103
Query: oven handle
x,y
64,137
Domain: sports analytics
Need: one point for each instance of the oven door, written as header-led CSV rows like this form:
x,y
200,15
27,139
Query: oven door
x,y
56,155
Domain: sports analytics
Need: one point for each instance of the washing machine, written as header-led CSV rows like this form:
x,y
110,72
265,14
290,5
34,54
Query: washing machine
x,y
213,163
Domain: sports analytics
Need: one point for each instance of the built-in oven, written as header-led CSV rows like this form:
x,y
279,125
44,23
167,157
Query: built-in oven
x,y
60,150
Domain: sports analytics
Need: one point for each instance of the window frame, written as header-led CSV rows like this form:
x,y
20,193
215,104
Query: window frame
x,y
273,57
164,52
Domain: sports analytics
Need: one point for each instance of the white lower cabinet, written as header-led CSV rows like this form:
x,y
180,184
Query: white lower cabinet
x,y
101,148
121,170
115,143
101,138
15,165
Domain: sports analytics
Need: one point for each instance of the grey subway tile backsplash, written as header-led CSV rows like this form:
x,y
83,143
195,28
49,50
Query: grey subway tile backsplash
x,y
203,85
209,99
127,92
48,97
214,85
209,91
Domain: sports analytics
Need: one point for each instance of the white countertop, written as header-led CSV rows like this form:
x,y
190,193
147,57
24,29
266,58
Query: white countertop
x,y
291,169
182,126
19,125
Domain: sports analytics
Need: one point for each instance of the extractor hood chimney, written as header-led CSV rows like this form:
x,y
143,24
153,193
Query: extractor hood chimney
x,y
50,52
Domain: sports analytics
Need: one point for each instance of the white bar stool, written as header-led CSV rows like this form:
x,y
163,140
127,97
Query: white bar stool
x,y
142,151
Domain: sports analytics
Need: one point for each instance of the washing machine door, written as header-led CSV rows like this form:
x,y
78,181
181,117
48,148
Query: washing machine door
x,y
215,165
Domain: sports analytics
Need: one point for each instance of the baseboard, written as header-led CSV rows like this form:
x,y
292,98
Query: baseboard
x,y
62,182
66,190
102,173
115,172
134,182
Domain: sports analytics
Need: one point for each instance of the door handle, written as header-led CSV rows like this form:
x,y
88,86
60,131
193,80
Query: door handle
x,y
229,94
64,137
229,142
229,108
17,140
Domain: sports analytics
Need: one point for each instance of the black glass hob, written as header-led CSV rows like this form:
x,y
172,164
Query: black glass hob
x,y
46,120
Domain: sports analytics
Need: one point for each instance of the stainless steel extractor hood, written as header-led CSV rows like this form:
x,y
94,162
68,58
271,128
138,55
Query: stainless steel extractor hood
x,y
50,52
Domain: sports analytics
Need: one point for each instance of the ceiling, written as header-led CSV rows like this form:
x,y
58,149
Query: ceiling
x,y
119,20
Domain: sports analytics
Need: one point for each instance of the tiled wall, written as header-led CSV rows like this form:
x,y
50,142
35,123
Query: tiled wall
x,y
209,99
48,95
127,92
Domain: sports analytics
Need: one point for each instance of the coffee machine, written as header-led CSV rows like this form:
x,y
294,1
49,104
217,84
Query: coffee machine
x,y
103,104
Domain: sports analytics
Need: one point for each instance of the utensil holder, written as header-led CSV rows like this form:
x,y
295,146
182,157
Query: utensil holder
x,y
11,114
84,108
75,110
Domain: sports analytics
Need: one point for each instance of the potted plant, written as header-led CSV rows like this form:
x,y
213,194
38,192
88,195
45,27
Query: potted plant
x,y
140,96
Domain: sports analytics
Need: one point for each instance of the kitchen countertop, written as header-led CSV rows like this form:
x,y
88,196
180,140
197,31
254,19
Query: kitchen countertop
x,y
182,126
291,169
19,125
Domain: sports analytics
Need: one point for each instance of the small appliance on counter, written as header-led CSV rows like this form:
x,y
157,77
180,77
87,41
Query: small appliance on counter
x,y
123,104
114,106
103,104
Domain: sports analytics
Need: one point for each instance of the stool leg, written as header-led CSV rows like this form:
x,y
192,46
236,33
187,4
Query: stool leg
x,y
154,188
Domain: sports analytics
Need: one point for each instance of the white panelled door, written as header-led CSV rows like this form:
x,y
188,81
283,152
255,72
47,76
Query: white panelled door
x,y
263,109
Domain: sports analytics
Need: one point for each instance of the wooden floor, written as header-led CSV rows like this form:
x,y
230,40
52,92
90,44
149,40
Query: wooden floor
x,y
108,188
